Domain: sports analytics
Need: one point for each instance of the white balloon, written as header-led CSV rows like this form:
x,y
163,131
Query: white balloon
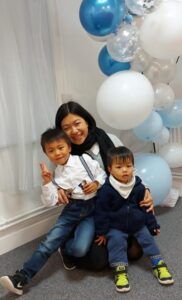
x,y
125,99
172,154
161,31
164,96
163,136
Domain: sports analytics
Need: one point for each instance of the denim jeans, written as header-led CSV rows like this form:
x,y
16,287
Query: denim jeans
x,y
76,213
117,245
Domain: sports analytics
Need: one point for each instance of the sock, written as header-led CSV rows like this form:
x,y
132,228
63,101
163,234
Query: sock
x,y
155,260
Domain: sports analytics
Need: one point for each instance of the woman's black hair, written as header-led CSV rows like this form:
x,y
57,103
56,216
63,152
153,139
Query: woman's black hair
x,y
75,108
53,134
95,134
120,153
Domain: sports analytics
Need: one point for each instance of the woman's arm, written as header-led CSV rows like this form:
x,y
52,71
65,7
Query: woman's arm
x,y
62,197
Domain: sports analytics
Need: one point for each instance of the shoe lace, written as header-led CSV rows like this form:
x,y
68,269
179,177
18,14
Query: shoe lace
x,y
121,278
163,270
19,278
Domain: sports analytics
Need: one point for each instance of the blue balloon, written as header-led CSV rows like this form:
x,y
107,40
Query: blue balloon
x,y
155,174
101,18
172,116
108,65
150,128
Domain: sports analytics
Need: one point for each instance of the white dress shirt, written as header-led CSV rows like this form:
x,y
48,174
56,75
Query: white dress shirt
x,y
69,176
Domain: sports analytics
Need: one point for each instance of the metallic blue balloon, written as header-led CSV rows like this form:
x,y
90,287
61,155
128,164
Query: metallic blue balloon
x,y
108,65
101,17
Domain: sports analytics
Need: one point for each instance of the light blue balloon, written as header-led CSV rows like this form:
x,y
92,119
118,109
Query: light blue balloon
x,y
101,17
108,65
172,116
155,174
128,18
150,128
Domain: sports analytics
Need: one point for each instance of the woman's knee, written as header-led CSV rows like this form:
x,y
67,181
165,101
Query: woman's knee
x,y
98,257
79,251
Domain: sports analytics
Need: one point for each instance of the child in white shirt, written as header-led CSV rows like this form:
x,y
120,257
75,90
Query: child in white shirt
x,y
81,178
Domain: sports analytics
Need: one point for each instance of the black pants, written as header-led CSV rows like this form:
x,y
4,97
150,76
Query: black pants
x,y
97,257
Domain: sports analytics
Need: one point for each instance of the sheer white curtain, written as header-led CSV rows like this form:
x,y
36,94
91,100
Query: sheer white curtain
x,y
27,90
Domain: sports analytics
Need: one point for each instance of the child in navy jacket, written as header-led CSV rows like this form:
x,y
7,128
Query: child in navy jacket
x,y
118,214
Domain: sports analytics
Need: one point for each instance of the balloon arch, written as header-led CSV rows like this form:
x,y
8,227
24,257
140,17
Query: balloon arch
x,y
142,44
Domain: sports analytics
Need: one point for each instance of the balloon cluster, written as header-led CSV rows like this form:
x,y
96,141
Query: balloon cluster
x,y
142,41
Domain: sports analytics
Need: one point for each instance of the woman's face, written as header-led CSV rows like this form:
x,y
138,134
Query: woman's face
x,y
76,128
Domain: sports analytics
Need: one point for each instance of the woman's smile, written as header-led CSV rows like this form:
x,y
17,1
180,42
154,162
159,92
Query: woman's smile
x,y
76,128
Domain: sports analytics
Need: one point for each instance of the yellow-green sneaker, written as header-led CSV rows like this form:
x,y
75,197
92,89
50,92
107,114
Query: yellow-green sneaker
x,y
121,279
161,272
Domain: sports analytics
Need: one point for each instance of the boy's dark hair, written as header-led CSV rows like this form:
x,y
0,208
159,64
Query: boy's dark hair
x,y
53,134
118,154
75,108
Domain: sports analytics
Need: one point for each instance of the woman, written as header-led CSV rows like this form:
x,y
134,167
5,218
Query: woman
x,y
86,137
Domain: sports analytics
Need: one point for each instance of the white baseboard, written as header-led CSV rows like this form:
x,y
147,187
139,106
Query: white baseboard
x,y
26,230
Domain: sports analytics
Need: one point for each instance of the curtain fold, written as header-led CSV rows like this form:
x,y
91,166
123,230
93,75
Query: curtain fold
x,y
27,91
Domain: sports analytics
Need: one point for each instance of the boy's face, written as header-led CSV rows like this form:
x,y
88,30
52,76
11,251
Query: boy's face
x,y
58,151
122,170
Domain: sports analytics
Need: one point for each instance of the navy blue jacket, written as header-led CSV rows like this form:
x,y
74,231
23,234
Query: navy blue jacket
x,y
114,211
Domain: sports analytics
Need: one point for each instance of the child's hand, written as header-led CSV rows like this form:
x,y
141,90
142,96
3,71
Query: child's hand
x,y
45,173
101,239
157,231
90,187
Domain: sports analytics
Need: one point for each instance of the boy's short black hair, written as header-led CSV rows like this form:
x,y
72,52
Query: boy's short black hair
x,y
53,134
118,154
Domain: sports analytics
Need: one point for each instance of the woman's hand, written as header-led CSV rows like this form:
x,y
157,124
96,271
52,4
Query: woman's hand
x,y
101,239
147,201
90,187
62,197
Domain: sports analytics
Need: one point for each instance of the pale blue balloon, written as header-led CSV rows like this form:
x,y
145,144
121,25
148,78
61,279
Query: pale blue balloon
x,y
172,116
108,65
101,17
155,174
150,128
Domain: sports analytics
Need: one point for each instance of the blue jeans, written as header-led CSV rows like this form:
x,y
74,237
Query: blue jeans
x,y
117,245
76,212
